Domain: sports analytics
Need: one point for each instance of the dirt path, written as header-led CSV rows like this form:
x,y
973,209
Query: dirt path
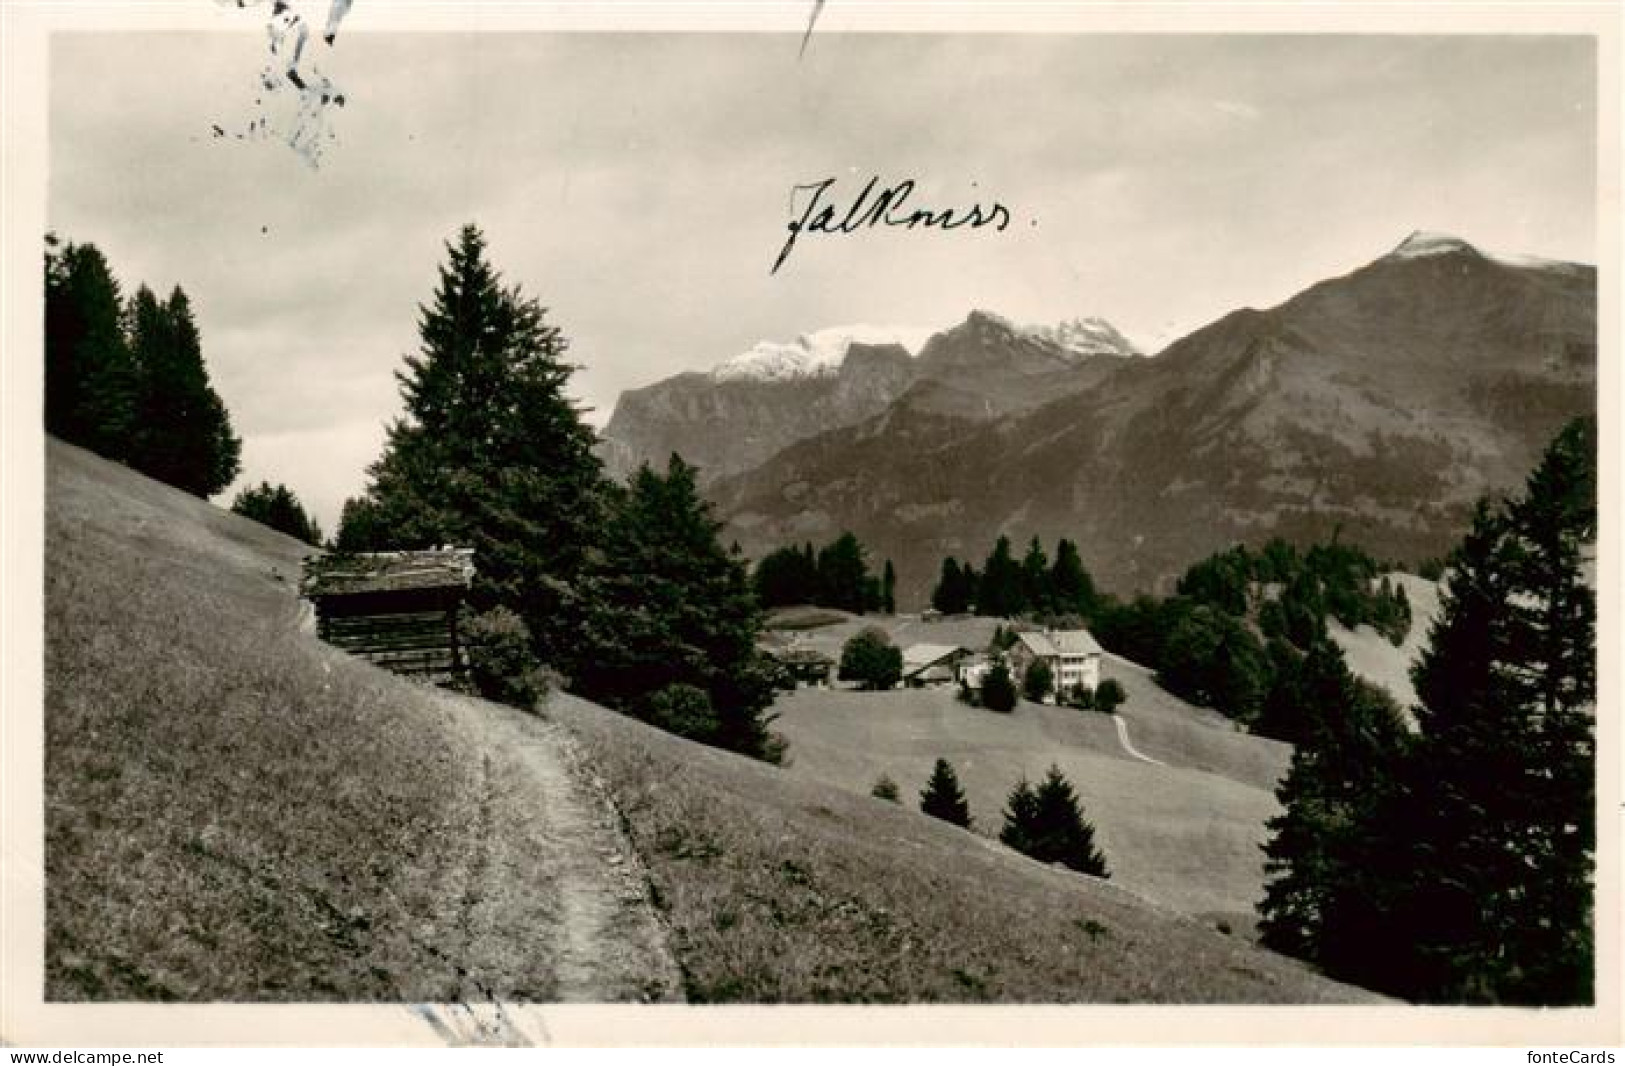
x,y
1122,735
553,894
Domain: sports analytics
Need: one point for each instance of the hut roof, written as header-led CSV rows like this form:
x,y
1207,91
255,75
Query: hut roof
x,y
349,575
797,656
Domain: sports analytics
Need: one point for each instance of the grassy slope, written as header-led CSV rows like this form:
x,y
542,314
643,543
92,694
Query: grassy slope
x,y
1186,838
779,888
1187,834
235,812
1372,657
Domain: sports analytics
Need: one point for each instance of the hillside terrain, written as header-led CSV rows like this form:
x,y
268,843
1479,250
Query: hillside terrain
x,y
1372,657
1185,831
1382,403
236,812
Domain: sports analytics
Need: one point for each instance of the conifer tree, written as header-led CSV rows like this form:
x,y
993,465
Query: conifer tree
x,y
90,380
1502,785
843,576
943,798
1071,588
664,604
277,507
1047,824
183,434
888,589
999,591
1340,774
491,452
1035,584
953,592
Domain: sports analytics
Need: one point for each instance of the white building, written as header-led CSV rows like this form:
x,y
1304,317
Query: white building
x,y
1073,656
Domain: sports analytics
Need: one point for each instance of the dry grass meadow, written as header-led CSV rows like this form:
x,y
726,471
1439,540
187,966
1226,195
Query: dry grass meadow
x,y
779,888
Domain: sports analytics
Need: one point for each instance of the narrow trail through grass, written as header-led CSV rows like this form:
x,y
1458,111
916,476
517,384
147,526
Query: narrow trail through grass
x,y
237,812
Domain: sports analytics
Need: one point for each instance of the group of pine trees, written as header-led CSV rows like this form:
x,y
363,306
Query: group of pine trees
x,y
276,506
1043,821
1453,864
835,576
125,377
1235,634
1006,588
625,591
1231,637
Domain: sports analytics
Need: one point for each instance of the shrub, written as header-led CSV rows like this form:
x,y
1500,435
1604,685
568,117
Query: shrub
x,y
1038,682
943,798
501,665
1109,696
1082,697
998,690
685,710
1046,824
885,788
872,660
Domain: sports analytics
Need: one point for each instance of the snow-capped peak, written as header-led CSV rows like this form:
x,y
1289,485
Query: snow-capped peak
x,y
814,354
1087,336
1422,243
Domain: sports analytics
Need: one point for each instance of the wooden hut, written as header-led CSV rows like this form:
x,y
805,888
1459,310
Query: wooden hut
x,y
395,609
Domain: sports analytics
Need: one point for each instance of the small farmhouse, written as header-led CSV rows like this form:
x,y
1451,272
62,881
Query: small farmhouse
x,y
804,666
972,670
395,609
931,665
1073,656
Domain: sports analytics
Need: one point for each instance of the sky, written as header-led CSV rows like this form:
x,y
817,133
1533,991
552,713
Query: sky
x,y
639,185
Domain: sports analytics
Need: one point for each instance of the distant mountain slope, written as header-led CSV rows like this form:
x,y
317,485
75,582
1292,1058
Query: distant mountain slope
x,y
1381,404
752,406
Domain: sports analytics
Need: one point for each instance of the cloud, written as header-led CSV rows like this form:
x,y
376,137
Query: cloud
x,y
1237,109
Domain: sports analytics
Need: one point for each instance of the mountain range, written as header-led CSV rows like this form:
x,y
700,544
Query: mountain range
x,y
1377,406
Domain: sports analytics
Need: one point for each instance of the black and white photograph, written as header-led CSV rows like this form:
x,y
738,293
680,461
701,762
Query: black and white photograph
x,y
517,507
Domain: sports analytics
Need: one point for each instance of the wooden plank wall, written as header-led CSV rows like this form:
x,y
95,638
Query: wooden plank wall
x,y
419,643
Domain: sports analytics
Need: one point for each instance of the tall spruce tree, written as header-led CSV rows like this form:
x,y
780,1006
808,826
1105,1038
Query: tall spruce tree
x,y
1321,845
953,594
1070,585
90,377
1502,786
491,452
943,798
183,433
888,589
662,604
999,592
1035,585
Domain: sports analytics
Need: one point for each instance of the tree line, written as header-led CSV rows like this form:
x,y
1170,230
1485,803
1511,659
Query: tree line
x,y
1453,864
835,576
1006,588
623,593
1234,634
125,377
